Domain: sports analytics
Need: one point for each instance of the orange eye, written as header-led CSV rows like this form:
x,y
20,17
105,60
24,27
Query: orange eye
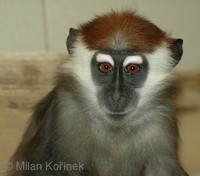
x,y
132,69
105,67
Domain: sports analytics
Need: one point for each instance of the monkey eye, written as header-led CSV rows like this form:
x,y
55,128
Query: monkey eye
x,y
105,67
132,69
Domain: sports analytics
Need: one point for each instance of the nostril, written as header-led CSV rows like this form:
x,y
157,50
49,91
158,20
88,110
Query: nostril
x,y
116,102
112,102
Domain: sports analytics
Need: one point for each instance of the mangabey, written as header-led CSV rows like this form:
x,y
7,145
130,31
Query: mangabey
x,y
110,108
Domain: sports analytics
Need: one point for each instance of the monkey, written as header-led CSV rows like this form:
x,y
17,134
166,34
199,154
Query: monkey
x,y
111,105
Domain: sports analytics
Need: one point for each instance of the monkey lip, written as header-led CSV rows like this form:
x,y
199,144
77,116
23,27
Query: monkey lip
x,y
118,118
118,113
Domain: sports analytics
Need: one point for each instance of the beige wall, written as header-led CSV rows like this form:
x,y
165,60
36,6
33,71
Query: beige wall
x,y
42,25
182,19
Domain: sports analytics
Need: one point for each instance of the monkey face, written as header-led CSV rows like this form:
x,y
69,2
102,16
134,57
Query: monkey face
x,y
122,62
118,76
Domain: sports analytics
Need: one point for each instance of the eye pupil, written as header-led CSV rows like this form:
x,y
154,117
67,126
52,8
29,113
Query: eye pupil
x,y
132,68
106,66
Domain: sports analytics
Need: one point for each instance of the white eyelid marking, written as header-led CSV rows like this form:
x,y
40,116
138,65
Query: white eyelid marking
x,y
105,58
132,59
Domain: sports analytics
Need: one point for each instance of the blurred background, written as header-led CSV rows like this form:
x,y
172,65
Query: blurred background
x,y
32,44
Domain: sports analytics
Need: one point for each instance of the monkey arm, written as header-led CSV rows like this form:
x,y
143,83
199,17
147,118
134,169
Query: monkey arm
x,y
40,138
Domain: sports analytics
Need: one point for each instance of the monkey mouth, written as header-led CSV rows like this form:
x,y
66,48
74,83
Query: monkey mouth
x,y
118,113
117,118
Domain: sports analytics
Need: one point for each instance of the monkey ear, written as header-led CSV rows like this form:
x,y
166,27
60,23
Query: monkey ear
x,y
71,39
177,49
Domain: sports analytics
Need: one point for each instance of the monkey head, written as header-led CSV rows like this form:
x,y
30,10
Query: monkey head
x,y
122,61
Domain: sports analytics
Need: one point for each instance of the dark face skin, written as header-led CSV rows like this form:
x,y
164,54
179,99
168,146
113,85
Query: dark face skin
x,y
117,88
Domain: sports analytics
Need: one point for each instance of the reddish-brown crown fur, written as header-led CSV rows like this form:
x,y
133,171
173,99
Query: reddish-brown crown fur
x,y
125,29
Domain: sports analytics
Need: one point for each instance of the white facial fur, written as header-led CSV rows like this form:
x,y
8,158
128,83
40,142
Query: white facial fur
x,y
160,68
105,58
79,65
132,59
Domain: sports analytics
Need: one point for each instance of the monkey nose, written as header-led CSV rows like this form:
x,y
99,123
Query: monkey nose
x,y
117,102
116,98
